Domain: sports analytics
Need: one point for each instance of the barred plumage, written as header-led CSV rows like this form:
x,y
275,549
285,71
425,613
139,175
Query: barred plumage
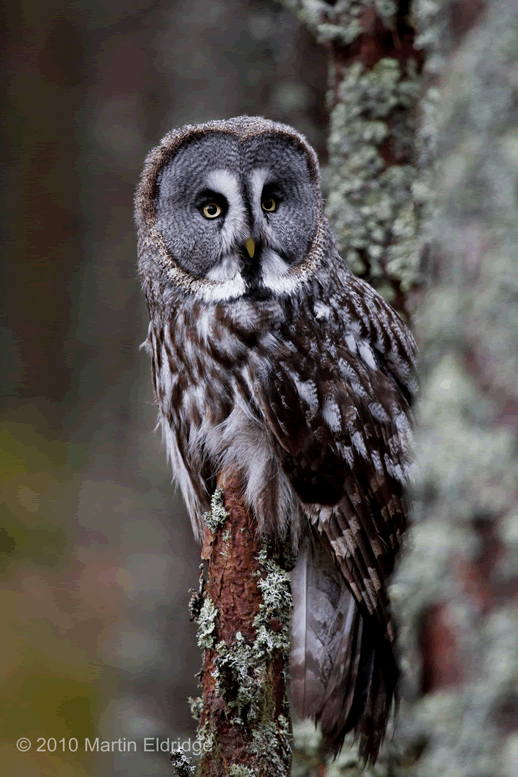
x,y
269,355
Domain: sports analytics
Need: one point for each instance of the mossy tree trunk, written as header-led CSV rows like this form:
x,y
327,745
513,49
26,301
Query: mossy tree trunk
x,y
375,197
458,585
244,629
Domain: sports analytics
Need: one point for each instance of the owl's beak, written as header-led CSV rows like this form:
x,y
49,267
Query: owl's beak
x,y
250,247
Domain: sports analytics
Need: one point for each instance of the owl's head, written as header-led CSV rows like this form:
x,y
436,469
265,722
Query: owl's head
x,y
230,209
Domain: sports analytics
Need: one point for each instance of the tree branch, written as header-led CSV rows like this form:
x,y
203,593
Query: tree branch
x,y
244,629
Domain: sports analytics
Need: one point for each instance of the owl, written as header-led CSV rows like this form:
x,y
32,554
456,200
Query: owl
x,y
269,356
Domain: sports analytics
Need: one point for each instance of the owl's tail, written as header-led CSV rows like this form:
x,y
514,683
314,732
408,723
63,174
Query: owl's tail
x,y
343,670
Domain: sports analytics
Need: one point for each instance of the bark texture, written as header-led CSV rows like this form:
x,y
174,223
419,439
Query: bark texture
x,y
458,585
243,626
375,195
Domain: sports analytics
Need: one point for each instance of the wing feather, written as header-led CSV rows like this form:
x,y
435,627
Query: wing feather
x,y
340,420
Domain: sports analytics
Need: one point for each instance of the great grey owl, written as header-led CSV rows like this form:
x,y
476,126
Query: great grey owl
x,y
268,355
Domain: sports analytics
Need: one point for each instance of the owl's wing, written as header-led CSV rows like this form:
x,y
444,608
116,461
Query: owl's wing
x,y
342,428
341,421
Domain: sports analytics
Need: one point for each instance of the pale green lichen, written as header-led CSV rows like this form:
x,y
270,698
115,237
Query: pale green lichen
x,y
387,10
241,771
241,670
233,675
217,515
371,207
277,604
180,764
205,739
333,33
196,706
207,624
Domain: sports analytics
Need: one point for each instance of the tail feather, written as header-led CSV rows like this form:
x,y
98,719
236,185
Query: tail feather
x,y
343,671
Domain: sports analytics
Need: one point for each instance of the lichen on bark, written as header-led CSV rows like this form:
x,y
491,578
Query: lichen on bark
x,y
243,628
372,205
376,191
457,588
181,764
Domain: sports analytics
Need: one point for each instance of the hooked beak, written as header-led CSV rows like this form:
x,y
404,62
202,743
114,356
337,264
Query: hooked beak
x,y
250,247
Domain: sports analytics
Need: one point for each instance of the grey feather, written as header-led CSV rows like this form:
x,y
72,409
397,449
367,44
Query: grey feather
x,y
323,617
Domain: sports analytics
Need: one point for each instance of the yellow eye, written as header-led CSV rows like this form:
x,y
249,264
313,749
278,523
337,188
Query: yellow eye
x,y
211,210
269,204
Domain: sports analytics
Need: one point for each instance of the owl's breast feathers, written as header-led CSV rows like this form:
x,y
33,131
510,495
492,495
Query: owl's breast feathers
x,y
323,382
309,396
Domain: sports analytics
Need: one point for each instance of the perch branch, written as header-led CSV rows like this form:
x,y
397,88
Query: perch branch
x,y
243,627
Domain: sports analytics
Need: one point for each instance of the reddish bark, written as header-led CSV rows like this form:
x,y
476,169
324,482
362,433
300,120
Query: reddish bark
x,y
378,41
442,665
234,571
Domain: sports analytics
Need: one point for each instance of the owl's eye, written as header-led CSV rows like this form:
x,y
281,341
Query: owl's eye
x,y
269,204
211,210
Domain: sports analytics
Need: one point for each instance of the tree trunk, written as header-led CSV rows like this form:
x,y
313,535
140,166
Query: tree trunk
x,y
375,197
458,586
244,628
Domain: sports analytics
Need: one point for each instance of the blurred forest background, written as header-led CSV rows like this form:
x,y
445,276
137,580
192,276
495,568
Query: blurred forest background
x,y
99,555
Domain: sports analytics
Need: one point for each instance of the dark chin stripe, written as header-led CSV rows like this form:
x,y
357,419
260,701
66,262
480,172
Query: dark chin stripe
x,y
251,272
255,288
257,293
